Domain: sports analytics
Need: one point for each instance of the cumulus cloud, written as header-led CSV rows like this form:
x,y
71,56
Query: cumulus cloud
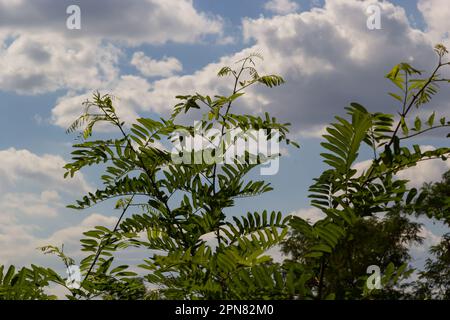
x,y
132,96
19,241
38,63
436,14
71,236
132,22
310,214
430,239
156,68
281,6
24,169
362,166
424,172
328,60
16,241
137,95
420,252
38,54
31,196
45,204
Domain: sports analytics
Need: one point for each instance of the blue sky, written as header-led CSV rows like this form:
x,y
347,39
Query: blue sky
x,y
322,48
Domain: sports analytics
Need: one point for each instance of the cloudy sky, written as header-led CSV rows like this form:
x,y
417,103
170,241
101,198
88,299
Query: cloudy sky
x,y
148,51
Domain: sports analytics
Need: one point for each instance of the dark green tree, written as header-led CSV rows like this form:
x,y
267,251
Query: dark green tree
x,y
434,280
375,241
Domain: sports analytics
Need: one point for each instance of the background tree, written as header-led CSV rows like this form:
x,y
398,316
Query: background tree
x,y
434,281
375,241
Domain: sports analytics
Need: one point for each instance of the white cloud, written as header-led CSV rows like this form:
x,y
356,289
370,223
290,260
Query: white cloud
x,y
281,6
24,169
137,95
16,241
310,214
328,57
424,171
225,40
31,199
132,93
362,166
431,237
131,22
156,68
276,254
19,241
33,194
437,17
38,63
45,204
330,60
38,54
316,131
71,236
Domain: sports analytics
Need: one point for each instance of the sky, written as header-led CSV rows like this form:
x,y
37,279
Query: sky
x,y
148,51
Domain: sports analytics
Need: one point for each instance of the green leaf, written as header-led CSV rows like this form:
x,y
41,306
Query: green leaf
x,y
396,96
430,121
404,126
412,193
